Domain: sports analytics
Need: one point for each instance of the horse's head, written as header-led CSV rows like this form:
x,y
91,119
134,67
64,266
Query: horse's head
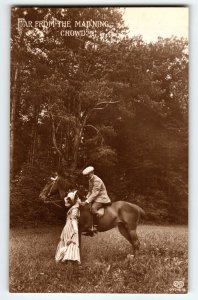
x,y
49,189
56,185
71,199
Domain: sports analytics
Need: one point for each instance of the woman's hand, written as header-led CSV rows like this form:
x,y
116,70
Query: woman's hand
x,y
69,242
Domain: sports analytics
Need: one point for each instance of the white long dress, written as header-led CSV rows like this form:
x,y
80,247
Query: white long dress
x,y
68,247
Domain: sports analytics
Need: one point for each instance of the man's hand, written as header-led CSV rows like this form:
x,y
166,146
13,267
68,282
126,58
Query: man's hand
x,y
84,203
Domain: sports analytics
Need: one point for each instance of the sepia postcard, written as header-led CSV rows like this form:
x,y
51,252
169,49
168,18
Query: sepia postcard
x,y
99,150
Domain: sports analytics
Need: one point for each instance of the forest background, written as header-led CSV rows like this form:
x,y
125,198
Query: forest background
x,y
108,100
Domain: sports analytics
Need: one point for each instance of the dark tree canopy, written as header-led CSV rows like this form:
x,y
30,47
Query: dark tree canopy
x,y
115,102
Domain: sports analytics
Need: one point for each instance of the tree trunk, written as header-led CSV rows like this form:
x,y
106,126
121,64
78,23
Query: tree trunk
x,y
76,148
78,134
55,142
34,135
12,121
61,143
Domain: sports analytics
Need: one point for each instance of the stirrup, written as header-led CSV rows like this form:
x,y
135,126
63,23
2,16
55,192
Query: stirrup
x,y
90,231
95,228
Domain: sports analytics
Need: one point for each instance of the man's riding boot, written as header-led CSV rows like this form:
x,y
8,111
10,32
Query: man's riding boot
x,y
91,231
94,228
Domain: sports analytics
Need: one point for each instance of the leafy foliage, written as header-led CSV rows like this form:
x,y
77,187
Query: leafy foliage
x,y
108,100
25,207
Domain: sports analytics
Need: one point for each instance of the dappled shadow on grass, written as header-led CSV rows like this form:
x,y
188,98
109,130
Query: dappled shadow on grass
x,y
105,267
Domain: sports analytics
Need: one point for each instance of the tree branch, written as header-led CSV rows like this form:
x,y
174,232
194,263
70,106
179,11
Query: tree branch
x,y
99,108
98,133
57,127
89,125
102,103
86,114
105,102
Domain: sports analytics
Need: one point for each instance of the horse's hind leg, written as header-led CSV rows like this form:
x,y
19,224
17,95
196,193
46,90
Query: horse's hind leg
x,y
134,239
130,235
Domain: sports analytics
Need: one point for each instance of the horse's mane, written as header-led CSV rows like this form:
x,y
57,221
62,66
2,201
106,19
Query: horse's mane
x,y
65,183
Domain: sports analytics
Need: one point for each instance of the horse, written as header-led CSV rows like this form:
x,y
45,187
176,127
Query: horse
x,y
121,214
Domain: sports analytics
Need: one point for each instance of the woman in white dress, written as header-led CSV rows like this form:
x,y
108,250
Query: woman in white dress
x,y
68,247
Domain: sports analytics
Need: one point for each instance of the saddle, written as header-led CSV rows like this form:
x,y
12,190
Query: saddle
x,y
101,212
94,224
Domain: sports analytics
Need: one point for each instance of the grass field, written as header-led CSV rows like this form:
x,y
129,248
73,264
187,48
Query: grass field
x,y
160,265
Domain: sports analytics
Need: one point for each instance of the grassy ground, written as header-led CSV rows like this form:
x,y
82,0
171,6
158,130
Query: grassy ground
x,y
105,268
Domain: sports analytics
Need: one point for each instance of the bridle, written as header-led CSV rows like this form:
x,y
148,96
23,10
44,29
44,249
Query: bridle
x,y
53,202
54,181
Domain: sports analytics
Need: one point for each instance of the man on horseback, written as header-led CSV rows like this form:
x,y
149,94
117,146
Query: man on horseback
x,y
97,195
122,214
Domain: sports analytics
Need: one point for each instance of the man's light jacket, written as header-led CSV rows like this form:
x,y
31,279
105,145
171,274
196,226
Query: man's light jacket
x,y
97,191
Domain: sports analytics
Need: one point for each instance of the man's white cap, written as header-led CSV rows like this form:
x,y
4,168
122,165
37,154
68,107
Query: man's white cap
x,y
88,170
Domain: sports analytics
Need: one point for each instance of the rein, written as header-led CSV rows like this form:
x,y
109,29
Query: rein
x,y
54,202
49,193
54,180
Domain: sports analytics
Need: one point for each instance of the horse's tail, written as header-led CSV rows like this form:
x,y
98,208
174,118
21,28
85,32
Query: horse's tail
x,y
142,212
